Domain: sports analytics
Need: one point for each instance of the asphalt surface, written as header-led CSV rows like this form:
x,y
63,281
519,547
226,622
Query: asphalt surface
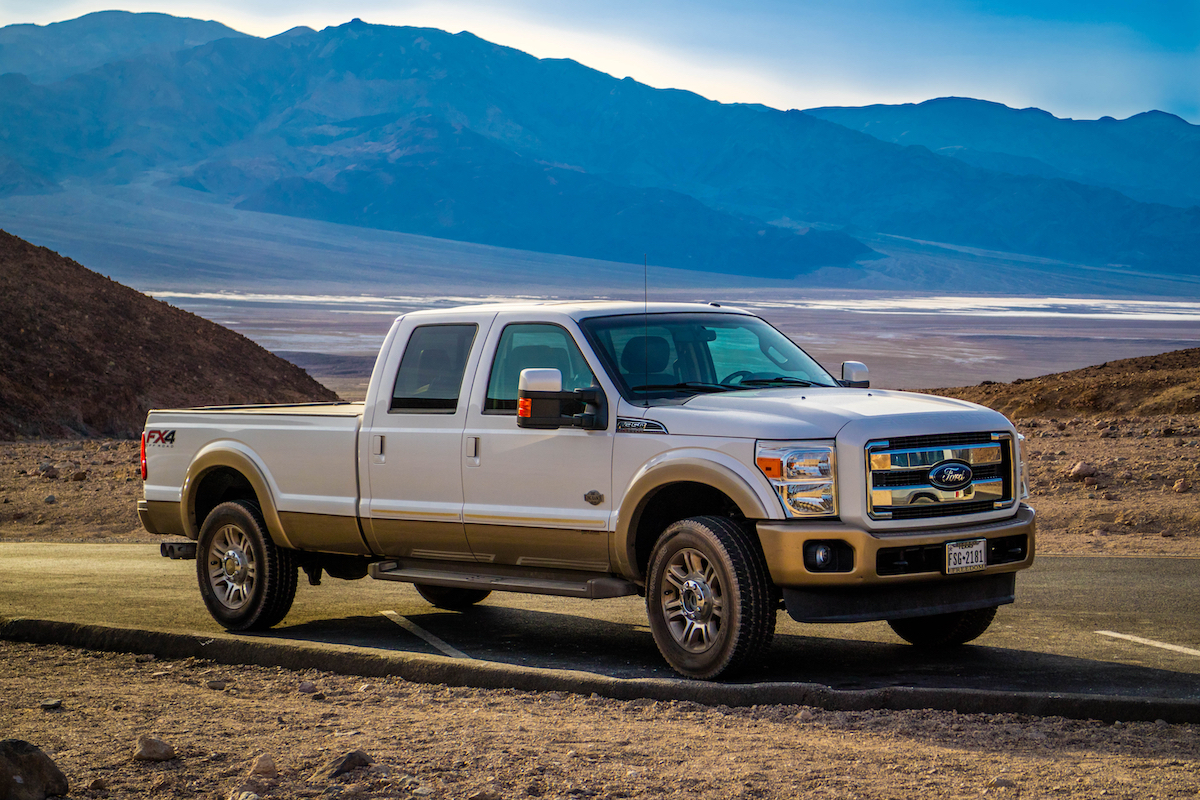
x,y
1048,643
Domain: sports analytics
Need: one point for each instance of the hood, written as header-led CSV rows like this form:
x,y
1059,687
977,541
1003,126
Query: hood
x,y
820,413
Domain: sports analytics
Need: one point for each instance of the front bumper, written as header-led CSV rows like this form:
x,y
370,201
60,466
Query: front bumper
x,y
783,545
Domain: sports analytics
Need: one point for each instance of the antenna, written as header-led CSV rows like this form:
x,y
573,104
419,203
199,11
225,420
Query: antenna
x,y
645,326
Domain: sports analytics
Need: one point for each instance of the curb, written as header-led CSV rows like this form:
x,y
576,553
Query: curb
x,y
421,668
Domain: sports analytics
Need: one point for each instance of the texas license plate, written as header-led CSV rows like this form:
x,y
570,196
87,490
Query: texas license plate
x,y
968,556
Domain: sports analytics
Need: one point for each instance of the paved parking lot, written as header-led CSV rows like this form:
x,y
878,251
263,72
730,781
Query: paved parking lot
x,y
1116,626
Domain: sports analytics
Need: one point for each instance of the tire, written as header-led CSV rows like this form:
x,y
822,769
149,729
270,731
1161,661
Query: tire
x,y
247,582
710,600
944,630
451,598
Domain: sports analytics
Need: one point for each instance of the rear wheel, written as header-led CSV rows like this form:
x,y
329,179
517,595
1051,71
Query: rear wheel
x,y
709,599
944,630
246,581
451,598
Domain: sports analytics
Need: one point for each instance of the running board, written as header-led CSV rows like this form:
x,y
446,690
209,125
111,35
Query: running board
x,y
499,579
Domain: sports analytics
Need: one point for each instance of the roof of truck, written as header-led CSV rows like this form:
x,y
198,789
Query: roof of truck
x,y
582,309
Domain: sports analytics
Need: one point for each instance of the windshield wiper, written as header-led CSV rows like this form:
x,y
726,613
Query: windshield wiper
x,y
779,380
695,386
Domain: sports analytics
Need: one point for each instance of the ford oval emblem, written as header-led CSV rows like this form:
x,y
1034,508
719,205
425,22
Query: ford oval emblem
x,y
951,475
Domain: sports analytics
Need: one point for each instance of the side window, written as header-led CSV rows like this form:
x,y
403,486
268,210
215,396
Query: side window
x,y
523,346
431,371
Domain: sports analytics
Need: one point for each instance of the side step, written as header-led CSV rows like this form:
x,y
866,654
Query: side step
x,y
498,579
178,550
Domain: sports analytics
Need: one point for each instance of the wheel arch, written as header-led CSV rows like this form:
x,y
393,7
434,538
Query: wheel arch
x,y
666,491
225,471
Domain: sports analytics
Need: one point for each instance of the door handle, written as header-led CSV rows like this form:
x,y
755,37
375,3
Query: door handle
x,y
472,447
376,445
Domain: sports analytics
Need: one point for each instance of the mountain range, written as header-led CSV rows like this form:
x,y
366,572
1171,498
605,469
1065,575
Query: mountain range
x,y
450,136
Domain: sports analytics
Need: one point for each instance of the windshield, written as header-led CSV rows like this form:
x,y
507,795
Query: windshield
x,y
665,356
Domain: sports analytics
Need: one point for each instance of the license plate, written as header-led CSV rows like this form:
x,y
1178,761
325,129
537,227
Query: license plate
x,y
968,556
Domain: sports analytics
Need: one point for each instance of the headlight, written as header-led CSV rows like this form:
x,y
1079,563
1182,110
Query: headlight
x,y
804,475
1022,469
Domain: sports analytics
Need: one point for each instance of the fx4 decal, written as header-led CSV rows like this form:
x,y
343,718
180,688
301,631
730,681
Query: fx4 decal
x,y
160,438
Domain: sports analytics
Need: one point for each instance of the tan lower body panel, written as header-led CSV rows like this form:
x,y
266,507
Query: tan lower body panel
x,y
403,538
783,546
550,548
161,517
324,533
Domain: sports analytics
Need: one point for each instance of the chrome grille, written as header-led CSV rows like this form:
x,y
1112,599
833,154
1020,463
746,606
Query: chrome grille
x,y
900,486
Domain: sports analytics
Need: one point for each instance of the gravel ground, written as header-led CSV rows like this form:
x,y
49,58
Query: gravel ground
x,y
439,742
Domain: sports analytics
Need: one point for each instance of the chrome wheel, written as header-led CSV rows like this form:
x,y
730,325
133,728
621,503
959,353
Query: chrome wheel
x,y
246,581
709,597
232,568
693,602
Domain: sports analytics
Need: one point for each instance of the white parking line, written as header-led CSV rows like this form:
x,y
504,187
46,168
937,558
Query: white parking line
x,y
417,630
1187,651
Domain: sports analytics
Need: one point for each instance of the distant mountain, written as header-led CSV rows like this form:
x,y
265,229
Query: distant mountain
x,y
1151,157
421,131
47,53
84,355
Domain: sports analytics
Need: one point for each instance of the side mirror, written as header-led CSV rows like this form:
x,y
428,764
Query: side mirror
x,y
540,400
855,375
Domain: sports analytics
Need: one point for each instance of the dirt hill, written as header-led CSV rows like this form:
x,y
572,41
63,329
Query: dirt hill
x,y
83,355
1168,383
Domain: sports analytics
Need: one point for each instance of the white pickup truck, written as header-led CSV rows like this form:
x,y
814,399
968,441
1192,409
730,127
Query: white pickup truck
x,y
688,453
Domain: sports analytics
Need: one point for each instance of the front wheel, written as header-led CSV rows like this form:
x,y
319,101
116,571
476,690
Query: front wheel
x,y
246,581
709,599
944,630
451,598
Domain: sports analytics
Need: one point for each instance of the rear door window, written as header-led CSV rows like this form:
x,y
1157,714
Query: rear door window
x,y
431,371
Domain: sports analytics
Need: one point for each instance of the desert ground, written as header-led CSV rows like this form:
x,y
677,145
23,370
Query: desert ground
x,y
475,744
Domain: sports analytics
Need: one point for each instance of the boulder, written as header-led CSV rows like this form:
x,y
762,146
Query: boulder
x,y
151,749
26,773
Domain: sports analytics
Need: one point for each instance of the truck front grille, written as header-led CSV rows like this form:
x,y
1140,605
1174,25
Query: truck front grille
x,y
913,477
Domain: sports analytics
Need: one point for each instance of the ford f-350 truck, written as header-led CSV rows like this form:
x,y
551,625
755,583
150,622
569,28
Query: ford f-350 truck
x,y
688,453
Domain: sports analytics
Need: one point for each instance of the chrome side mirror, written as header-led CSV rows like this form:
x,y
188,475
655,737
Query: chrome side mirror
x,y
855,375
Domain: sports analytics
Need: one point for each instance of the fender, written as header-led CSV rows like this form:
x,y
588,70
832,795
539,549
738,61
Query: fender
x,y
236,456
752,495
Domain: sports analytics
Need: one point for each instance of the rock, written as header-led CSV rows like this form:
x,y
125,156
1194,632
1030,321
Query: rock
x,y
239,794
218,686
51,705
144,658
485,794
49,499
98,785
318,696
308,687
1182,485
1001,783
340,766
79,475
152,749
805,715
1110,496
1082,470
1090,481
26,773
264,766
50,472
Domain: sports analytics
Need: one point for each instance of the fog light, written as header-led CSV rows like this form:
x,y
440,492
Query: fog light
x,y
828,556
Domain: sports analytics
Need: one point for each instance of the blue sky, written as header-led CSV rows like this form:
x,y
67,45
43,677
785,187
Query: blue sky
x,y
1075,59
